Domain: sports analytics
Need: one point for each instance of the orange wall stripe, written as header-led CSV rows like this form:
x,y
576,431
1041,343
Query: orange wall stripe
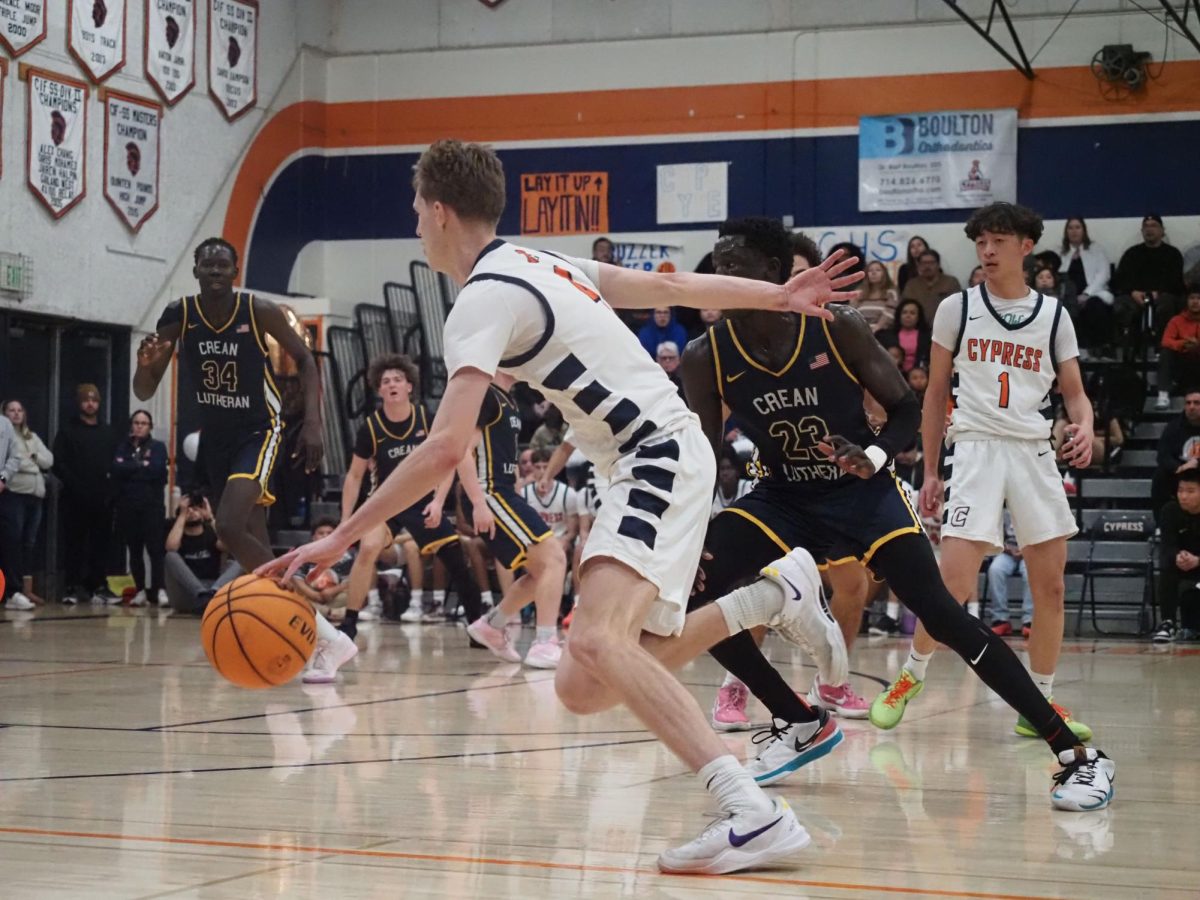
x,y
520,863
770,106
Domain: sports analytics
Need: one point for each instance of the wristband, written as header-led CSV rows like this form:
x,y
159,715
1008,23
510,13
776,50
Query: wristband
x,y
878,456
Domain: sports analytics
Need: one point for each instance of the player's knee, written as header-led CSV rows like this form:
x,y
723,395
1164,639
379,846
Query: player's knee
x,y
1050,597
591,648
548,556
576,691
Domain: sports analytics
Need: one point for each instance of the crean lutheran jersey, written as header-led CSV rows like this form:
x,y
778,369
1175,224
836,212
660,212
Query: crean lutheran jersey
x,y
540,318
1006,357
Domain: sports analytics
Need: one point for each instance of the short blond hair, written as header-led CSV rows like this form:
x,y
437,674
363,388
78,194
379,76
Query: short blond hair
x,y
468,178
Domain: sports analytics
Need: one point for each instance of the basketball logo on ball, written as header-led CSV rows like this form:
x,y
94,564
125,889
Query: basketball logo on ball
x,y
257,634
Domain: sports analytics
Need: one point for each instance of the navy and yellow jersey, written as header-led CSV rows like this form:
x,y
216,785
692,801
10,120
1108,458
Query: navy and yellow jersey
x,y
786,413
500,428
224,367
388,443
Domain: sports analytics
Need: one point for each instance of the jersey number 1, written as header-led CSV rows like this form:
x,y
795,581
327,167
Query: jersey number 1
x,y
1003,379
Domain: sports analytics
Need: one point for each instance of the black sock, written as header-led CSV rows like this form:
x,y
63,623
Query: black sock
x,y
350,624
741,656
451,555
908,566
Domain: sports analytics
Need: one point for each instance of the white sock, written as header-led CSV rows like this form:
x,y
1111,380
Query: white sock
x,y
498,619
893,610
417,600
439,599
917,662
733,787
486,598
1045,683
730,678
549,633
754,604
325,629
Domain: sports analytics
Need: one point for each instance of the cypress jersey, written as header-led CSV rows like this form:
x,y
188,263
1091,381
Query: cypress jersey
x,y
786,413
224,367
496,456
388,443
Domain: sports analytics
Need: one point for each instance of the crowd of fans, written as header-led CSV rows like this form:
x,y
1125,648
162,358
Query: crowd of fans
x,y
112,484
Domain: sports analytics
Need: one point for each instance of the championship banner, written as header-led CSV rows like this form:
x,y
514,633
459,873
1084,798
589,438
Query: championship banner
x,y
171,47
97,36
233,55
131,132
941,160
22,24
57,122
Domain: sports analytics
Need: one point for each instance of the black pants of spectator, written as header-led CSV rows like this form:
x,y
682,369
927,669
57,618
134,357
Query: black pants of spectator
x,y
1094,324
20,517
1128,313
87,525
1179,596
141,531
1180,370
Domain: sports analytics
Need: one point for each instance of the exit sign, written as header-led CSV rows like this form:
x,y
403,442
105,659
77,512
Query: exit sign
x,y
16,274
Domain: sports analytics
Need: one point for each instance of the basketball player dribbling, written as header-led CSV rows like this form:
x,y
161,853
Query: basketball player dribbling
x,y
541,318
1005,344
225,375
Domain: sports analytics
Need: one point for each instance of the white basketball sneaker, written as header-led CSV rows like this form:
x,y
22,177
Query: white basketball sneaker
x,y
329,656
805,619
739,842
1085,781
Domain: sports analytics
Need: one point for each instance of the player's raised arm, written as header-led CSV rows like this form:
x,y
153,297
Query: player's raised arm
x,y
155,351
276,325
806,293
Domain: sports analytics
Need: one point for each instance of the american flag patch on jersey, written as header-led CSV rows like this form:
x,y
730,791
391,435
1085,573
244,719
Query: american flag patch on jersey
x,y
242,329
821,359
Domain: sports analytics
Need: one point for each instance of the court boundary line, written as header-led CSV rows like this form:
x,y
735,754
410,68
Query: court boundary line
x,y
544,865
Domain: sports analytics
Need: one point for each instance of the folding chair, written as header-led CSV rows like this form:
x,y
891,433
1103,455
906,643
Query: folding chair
x,y
1120,546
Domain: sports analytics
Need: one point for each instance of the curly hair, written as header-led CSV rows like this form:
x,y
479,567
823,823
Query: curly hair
x,y
381,364
468,178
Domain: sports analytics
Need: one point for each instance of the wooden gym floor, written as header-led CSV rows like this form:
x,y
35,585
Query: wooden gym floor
x,y
128,769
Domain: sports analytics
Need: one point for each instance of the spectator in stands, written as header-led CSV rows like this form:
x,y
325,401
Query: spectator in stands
x,y
661,328
331,585
731,485
1179,356
1002,567
1178,451
918,380
667,356
551,432
603,250
931,285
21,498
978,276
805,252
707,319
193,555
908,269
849,248
879,298
1046,280
139,476
526,473
1178,579
1086,268
1149,273
1108,436
911,334
83,452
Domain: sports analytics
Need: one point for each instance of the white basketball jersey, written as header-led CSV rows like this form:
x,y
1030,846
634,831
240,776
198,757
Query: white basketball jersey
x,y
1004,368
553,509
744,486
586,362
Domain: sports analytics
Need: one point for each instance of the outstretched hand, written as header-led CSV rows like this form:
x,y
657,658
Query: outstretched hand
x,y
810,290
322,554
152,350
848,457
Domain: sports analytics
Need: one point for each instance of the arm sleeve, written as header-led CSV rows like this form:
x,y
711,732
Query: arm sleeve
x,y
948,319
364,447
1066,344
589,267
491,321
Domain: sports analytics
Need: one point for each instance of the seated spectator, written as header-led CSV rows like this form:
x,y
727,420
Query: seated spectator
x,y
931,285
139,476
918,380
1178,451
21,507
978,276
911,333
805,252
1002,567
603,250
661,328
1149,273
1046,281
193,557
879,299
525,468
908,269
330,586
1086,268
731,485
551,432
1179,356
667,357
707,319
1178,590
